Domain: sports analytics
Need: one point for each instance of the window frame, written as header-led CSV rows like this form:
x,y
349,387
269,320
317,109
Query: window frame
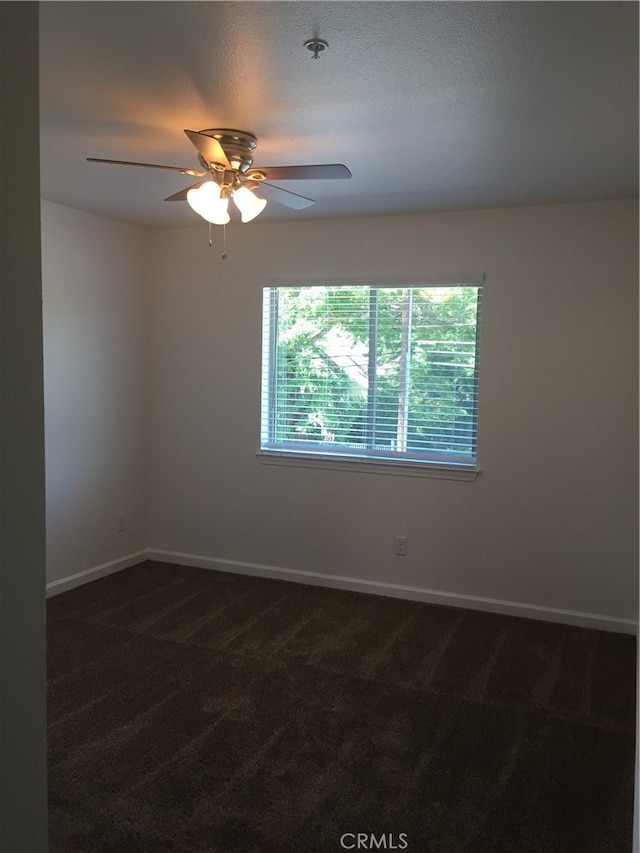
x,y
439,464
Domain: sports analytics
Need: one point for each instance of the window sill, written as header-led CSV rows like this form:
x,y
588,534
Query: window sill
x,y
369,466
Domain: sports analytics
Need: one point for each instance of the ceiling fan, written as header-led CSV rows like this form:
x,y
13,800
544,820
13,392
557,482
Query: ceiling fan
x,y
226,157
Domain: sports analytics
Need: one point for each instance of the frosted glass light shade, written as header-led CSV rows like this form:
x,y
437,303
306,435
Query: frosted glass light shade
x,y
206,201
248,204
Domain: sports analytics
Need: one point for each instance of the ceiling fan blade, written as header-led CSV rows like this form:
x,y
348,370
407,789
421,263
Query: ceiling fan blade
x,y
303,173
182,195
286,197
148,166
209,148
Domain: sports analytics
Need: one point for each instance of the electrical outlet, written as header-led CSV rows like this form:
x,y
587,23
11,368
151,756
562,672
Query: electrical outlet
x,y
400,546
121,523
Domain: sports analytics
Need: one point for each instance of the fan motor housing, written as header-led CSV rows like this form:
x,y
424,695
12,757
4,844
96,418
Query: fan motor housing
x,y
238,145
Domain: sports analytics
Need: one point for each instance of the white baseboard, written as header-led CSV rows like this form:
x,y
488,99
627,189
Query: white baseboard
x,y
92,574
450,599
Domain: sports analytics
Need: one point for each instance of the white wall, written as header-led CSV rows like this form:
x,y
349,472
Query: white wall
x,y
551,523
23,688
96,390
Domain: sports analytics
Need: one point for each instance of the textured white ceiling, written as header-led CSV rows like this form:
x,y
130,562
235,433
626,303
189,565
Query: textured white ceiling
x,y
432,105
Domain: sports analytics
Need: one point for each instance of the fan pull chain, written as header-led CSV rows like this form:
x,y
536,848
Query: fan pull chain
x,y
224,242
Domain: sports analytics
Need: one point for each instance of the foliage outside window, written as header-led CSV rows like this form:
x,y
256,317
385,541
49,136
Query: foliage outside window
x,y
372,372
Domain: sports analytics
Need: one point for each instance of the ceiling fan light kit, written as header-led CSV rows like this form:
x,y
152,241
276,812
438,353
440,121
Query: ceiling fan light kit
x,y
248,204
226,157
207,201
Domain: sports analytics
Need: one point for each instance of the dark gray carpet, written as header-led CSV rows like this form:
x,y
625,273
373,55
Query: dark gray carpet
x,y
197,711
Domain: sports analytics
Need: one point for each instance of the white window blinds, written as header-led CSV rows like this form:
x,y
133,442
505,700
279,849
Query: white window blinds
x,y
387,373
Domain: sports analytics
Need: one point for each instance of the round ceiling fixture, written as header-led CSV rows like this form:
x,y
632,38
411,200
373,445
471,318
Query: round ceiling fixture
x,y
316,46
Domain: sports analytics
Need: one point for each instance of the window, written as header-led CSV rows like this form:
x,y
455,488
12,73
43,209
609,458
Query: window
x,y
377,373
